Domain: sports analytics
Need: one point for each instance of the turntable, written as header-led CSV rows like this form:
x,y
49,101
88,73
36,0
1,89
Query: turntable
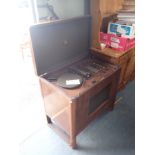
x,y
69,80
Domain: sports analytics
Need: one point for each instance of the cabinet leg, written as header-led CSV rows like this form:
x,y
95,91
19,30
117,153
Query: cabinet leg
x,y
111,107
73,143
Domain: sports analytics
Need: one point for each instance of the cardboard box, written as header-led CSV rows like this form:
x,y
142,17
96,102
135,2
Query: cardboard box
x,y
104,38
118,43
125,31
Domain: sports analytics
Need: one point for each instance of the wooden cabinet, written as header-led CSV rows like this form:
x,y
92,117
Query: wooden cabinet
x,y
126,60
130,70
100,9
69,111
103,8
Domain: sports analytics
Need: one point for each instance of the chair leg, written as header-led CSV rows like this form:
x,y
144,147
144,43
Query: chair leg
x,y
48,120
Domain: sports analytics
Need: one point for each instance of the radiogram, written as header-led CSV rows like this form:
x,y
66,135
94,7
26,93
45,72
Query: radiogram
x,y
76,86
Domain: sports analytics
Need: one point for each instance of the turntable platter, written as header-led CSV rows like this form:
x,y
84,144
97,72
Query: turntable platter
x,y
70,80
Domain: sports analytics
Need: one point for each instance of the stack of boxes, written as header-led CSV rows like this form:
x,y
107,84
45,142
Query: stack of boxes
x,y
120,34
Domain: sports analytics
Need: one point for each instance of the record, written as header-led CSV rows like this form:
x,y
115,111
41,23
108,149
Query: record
x,y
70,80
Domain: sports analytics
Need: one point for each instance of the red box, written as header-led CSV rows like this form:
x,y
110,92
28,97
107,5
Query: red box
x,y
118,43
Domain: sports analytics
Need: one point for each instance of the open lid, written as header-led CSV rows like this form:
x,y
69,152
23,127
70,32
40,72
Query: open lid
x,y
60,43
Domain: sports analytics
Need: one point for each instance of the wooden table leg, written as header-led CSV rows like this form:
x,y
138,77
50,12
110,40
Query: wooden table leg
x,y
73,143
72,126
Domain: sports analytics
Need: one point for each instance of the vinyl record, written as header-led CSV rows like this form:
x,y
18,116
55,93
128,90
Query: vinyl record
x,y
69,80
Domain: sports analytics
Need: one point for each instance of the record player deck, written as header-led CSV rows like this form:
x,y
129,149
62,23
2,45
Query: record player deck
x,y
77,94
75,75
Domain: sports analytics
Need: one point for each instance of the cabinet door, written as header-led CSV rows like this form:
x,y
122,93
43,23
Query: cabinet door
x,y
130,67
101,98
95,101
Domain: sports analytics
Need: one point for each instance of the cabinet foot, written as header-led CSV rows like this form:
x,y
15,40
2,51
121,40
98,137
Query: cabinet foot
x,y
73,144
111,107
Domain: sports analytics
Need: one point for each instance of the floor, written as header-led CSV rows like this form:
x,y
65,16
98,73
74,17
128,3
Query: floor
x,y
111,134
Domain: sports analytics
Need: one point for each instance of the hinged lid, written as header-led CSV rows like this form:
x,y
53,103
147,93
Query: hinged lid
x,y
60,43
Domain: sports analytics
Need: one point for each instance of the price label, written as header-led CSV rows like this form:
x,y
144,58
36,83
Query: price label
x,y
72,82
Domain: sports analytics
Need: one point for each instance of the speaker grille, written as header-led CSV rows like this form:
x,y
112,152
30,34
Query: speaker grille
x,y
98,99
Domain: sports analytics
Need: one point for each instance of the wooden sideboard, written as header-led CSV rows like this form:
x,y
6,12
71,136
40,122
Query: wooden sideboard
x,y
126,60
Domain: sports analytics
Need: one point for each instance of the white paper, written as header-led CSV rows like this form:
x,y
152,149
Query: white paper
x,y
72,82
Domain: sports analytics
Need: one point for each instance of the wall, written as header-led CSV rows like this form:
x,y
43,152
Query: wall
x,y
63,8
